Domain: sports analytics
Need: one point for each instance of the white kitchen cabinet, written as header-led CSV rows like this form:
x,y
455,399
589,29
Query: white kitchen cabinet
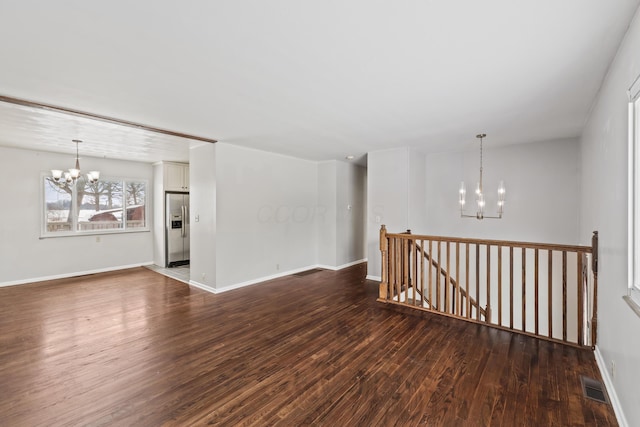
x,y
176,177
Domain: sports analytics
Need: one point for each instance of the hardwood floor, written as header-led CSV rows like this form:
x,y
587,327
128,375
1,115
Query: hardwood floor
x,y
138,348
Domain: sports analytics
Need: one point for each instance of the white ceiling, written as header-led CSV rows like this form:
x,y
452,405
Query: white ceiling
x,y
312,79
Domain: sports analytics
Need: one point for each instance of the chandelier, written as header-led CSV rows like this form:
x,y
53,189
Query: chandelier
x,y
73,174
480,202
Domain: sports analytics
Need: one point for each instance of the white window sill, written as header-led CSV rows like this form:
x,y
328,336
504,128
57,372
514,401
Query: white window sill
x,y
94,233
634,302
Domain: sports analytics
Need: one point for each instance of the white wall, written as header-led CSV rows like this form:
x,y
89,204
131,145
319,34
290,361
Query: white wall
x,y
159,256
202,204
25,257
543,192
393,191
326,219
266,214
604,208
351,184
417,191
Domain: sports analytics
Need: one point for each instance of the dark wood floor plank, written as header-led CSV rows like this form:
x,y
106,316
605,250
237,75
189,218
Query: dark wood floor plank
x,y
136,348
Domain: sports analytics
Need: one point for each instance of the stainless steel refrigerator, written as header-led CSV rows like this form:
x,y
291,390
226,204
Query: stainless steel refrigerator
x,y
177,229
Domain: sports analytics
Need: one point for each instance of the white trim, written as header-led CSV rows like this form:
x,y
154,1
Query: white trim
x,y
74,274
270,277
262,279
201,286
632,300
376,278
634,89
340,267
74,232
611,391
630,202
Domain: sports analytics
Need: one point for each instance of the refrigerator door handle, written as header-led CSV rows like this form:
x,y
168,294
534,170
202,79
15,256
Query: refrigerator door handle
x,y
182,209
185,219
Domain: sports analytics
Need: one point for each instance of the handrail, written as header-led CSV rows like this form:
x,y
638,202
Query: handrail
x,y
537,289
515,244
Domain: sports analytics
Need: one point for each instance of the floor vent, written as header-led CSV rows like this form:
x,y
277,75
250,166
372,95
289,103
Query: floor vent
x,y
308,272
594,390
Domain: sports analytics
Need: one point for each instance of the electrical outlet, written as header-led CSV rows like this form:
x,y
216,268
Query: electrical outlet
x,y
203,276
613,369
277,266
97,239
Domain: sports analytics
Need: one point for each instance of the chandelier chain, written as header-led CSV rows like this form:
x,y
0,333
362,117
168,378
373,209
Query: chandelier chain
x,y
481,164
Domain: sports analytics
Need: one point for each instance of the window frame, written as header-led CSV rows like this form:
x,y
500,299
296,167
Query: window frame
x,y
633,273
44,234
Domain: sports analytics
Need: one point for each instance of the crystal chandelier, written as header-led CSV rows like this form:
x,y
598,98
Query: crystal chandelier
x,y
73,174
480,202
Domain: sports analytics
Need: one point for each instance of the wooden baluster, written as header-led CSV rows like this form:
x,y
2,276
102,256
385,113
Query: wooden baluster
x,y
564,295
391,258
524,289
536,291
488,305
467,286
406,269
438,283
383,292
458,296
550,292
430,274
398,250
580,300
477,282
447,308
390,270
422,274
511,287
414,256
500,285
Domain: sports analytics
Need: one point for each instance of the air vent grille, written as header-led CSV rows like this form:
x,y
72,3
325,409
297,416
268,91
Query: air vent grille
x,y
594,390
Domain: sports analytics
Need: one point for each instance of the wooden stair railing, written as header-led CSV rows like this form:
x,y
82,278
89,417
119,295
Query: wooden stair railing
x,y
454,284
536,289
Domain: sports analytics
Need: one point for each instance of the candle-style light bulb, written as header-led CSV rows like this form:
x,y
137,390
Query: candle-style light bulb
x,y
462,195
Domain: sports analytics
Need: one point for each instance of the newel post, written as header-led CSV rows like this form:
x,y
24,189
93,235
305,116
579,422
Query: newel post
x,y
384,246
594,268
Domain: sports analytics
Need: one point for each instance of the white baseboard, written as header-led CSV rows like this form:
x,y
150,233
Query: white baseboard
x,y
202,286
340,267
376,278
74,274
271,277
191,282
611,391
262,279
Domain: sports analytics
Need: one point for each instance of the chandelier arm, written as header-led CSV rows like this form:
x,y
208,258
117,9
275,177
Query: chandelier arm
x,y
468,216
493,217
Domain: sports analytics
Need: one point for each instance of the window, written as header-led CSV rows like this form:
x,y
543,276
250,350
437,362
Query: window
x,y
106,206
634,196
